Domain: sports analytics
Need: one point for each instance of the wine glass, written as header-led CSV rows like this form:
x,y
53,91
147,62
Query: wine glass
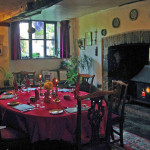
x,y
15,95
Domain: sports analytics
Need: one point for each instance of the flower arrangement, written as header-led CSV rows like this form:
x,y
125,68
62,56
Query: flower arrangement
x,y
48,85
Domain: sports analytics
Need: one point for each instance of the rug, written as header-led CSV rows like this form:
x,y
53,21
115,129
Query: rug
x,y
132,142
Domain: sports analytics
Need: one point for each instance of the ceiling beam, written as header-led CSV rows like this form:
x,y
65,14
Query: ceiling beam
x,y
32,8
4,24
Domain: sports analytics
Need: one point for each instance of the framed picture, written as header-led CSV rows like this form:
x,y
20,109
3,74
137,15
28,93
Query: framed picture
x,y
88,38
81,43
1,50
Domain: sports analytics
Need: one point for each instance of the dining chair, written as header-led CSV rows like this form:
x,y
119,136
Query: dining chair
x,y
86,82
118,109
12,139
95,115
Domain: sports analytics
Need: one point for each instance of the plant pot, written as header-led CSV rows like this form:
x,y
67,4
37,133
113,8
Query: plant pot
x,y
6,82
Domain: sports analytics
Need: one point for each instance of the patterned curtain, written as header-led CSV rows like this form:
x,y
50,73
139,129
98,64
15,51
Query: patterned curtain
x,y
64,39
15,41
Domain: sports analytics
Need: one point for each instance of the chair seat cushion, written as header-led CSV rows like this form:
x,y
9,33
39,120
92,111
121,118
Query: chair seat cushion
x,y
11,134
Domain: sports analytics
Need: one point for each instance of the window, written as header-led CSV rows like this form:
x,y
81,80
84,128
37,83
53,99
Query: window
x,y
38,39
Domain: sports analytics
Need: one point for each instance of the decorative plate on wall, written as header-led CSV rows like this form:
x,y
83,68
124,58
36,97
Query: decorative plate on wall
x,y
103,32
133,14
116,22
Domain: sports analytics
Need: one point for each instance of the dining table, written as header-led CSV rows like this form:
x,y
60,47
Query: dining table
x,y
55,120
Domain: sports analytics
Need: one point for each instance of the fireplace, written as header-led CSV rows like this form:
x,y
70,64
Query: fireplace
x,y
124,56
124,62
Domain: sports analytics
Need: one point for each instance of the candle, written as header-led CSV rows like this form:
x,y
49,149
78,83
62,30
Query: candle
x,y
55,81
40,76
143,93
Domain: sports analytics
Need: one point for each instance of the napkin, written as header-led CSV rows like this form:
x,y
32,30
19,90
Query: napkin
x,y
23,107
64,90
6,97
27,81
37,95
15,85
74,109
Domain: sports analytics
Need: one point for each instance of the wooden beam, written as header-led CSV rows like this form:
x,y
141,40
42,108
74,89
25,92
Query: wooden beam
x,y
4,24
32,9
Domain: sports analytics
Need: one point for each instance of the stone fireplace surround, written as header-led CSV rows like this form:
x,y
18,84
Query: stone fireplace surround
x,y
140,37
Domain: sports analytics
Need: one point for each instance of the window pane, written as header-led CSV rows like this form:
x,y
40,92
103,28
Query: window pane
x,y
39,30
50,48
24,48
24,30
50,31
38,48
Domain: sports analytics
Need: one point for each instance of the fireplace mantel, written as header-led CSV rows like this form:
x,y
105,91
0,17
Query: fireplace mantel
x,y
124,38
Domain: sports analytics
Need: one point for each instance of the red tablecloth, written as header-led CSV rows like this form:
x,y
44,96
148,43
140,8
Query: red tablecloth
x,y
41,125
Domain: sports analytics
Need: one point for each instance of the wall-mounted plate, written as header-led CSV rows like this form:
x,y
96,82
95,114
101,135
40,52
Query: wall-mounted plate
x,y
133,14
103,32
116,22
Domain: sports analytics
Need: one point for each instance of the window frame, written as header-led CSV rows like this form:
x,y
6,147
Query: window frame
x,y
44,39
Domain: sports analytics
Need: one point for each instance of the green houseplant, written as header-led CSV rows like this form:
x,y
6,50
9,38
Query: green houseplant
x,y
7,76
73,65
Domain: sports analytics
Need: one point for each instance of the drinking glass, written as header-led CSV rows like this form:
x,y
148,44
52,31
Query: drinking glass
x,y
42,101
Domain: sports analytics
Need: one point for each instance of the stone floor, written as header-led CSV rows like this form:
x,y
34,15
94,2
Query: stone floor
x,y
137,119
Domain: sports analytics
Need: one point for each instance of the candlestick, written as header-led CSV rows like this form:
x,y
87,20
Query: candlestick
x,y
40,77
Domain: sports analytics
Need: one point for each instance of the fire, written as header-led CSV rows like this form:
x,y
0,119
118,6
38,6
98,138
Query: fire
x,y
148,90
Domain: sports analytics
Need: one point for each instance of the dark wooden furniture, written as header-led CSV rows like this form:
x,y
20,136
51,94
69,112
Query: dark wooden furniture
x,y
12,139
118,108
95,116
86,82
20,76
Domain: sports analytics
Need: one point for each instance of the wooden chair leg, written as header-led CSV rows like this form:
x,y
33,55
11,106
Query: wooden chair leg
x,y
112,133
121,134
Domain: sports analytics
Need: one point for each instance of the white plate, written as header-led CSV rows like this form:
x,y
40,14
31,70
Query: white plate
x,y
56,111
13,103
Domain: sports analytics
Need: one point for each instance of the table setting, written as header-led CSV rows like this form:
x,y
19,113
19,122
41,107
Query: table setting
x,y
52,119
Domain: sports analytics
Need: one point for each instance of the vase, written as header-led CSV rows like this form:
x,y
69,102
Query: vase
x,y
47,96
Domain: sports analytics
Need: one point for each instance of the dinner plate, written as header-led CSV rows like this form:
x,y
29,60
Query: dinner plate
x,y
8,93
56,111
13,103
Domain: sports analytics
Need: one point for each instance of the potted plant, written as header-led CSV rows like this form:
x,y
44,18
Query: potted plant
x,y
72,66
7,76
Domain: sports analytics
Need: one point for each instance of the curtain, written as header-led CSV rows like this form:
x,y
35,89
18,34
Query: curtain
x,y
64,39
15,41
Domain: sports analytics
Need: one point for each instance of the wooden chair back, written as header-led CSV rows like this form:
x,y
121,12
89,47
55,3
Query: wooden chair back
x,y
20,76
95,115
86,82
120,97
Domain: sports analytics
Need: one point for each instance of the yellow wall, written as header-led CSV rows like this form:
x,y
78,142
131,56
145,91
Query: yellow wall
x,y
103,20
4,59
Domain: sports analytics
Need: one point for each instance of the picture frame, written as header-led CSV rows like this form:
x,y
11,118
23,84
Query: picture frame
x,y
81,43
88,38
1,49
